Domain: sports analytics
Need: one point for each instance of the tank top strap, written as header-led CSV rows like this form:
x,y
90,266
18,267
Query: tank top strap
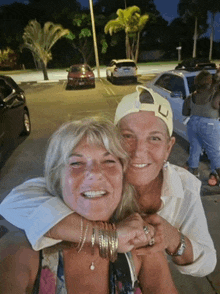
x,y
50,277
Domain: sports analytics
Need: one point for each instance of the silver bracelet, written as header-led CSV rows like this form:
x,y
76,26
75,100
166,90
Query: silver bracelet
x,y
181,247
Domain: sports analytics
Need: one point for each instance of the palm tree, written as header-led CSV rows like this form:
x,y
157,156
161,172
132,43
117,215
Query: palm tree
x,y
214,8
193,9
40,41
132,23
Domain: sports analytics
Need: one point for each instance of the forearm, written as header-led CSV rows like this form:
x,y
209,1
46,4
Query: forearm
x,y
155,276
76,229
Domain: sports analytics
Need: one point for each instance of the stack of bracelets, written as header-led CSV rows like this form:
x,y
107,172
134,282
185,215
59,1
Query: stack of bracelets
x,y
107,239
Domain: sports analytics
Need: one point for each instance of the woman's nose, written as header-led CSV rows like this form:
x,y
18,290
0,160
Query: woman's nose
x,y
94,171
140,149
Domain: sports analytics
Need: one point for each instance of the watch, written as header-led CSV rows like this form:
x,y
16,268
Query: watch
x,y
181,247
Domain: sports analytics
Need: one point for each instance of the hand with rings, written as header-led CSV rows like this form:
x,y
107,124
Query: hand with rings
x,y
148,233
133,232
155,236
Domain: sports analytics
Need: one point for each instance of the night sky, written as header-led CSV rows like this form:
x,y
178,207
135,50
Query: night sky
x,y
168,10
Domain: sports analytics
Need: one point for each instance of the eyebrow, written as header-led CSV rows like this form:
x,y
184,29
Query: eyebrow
x,y
80,155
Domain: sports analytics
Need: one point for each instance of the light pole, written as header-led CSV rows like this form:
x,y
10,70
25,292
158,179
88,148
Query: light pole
x,y
94,37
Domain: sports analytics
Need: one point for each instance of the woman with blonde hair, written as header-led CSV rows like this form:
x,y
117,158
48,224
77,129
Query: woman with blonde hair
x,y
168,195
84,167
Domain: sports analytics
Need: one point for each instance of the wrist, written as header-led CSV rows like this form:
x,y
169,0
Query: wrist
x,y
179,250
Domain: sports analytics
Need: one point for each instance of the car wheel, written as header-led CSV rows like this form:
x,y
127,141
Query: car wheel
x,y
112,79
93,86
68,87
26,124
135,79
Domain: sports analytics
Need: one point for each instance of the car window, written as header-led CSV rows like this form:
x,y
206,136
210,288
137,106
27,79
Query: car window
x,y
126,64
171,83
190,81
164,82
5,89
177,84
81,69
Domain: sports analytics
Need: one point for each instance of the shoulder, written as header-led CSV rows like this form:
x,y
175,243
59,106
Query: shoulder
x,y
190,183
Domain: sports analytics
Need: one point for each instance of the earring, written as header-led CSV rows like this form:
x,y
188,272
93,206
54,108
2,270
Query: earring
x,y
165,164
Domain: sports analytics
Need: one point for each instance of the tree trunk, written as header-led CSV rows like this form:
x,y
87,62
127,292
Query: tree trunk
x,y
195,37
44,69
137,47
127,46
211,36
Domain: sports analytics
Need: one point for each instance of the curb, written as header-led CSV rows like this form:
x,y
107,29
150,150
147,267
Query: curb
x,y
41,82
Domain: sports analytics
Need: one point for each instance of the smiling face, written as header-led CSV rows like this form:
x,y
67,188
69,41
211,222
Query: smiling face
x,y
91,181
145,138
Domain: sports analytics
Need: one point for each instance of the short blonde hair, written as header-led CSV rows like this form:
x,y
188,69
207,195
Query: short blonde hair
x,y
99,132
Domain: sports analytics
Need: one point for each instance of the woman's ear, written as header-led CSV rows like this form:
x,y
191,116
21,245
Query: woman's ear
x,y
171,143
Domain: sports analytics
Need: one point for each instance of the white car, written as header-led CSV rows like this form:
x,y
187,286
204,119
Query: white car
x,y
175,86
121,69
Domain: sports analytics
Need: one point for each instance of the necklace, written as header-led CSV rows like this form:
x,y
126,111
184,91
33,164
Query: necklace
x,y
92,266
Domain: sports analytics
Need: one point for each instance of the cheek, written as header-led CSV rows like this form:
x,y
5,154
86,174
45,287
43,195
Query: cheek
x,y
69,190
129,146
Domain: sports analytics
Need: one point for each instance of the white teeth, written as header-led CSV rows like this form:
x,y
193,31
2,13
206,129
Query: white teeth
x,y
140,165
93,194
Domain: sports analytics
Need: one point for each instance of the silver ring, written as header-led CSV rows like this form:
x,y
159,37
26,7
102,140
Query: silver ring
x,y
146,230
152,242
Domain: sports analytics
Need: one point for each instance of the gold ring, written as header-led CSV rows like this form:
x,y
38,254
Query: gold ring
x,y
146,230
152,242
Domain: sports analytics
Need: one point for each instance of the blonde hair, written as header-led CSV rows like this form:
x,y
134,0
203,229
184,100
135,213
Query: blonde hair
x,y
99,132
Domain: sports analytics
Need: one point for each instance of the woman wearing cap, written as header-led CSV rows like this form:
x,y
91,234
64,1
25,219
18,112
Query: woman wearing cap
x,y
84,167
203,128
169,195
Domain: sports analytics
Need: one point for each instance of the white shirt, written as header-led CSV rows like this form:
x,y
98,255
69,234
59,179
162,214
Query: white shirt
x,y
30,207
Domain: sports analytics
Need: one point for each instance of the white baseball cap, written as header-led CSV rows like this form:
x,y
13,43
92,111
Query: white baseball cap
x,y
145,99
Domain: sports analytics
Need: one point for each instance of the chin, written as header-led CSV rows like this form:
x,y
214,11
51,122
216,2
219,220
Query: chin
x,y
138,181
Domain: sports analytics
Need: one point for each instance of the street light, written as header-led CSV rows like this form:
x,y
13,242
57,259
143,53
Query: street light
x,y
94,37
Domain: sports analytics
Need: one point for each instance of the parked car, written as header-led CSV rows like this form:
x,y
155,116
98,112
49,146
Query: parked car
x,y
175,86
121,69
14,114
80,75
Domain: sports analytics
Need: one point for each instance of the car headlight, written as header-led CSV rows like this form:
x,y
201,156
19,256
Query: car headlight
x,y
71,79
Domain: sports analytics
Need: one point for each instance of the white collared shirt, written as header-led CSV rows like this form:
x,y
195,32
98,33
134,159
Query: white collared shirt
x,y
30,207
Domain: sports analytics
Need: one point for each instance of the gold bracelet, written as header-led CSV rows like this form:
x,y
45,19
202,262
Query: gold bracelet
x,y
113,244
100,242
93,240
84,239
81,233
106,239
